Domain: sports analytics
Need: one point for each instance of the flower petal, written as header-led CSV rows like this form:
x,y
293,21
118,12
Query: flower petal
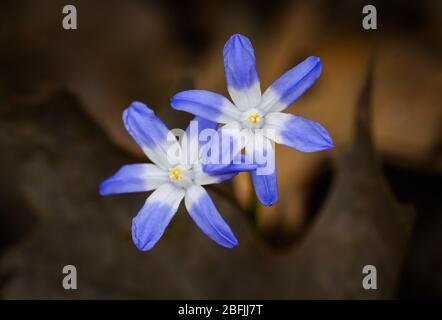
x,y
202,124
233,168
266,187
206,216
240,72
198,130
224,147
208,105
291,85
296,132
202,178
134,178
223,169
149,225
264,177
150,133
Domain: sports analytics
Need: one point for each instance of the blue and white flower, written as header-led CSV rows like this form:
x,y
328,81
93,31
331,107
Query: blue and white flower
x,y
259,117
171,178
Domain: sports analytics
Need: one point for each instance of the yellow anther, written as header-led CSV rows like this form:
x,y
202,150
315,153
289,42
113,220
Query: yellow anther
x,y
175,174
255,118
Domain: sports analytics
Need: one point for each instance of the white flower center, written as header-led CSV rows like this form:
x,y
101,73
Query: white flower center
x,y
175,174
252,119
181,176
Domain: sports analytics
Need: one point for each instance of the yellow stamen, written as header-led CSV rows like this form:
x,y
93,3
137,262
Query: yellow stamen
x,y
255,118
175,174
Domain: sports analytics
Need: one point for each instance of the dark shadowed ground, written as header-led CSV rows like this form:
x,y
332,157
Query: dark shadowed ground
x,y
373,200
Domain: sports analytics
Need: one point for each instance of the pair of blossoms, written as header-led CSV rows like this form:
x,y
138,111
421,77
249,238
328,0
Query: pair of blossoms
x,y
252,122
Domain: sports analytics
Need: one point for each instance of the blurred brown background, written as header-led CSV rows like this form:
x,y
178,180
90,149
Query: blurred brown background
x,y
373,199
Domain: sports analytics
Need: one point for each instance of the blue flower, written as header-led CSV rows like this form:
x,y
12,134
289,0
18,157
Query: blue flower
x,y
172,176
258,117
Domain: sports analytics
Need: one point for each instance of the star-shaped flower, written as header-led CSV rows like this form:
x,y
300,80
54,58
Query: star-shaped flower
x,y
171,177
258,117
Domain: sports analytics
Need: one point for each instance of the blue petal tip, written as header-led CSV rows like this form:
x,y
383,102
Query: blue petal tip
x,y
137,242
